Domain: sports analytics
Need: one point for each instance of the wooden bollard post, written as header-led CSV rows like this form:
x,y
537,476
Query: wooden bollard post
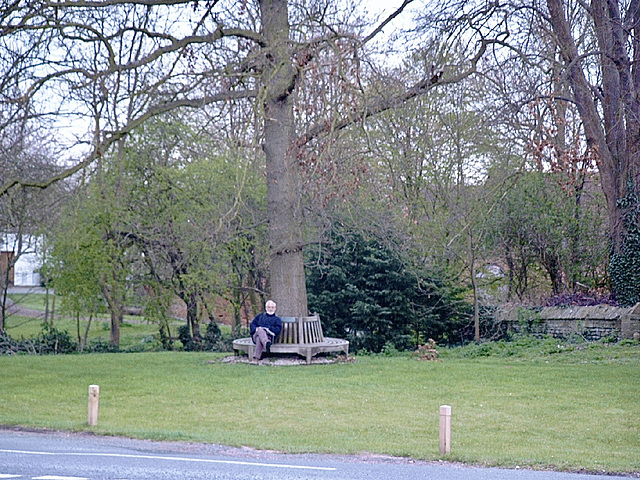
x,y
94,400
445,429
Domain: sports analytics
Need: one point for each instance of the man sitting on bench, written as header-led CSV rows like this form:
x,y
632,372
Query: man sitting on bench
x,y
264,329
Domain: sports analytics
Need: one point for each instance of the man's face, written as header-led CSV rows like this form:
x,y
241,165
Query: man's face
x,y
270,307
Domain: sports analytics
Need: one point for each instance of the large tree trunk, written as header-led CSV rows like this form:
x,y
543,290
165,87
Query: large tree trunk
x,y
288,287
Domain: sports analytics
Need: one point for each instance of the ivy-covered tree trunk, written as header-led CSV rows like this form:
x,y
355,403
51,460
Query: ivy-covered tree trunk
x,y
624,263
288,287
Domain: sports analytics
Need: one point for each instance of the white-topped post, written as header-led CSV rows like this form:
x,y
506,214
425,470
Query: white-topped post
x,y
94,400
445,429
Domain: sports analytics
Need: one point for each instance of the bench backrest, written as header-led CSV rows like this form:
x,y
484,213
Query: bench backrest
x,y
300,330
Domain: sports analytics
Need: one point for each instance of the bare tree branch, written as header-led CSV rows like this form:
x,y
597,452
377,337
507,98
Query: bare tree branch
x,y
386,21
380,104
113,137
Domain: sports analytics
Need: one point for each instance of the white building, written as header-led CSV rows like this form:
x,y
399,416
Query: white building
x,y
26,269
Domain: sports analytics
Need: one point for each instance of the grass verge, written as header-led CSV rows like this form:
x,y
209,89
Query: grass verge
x,y
542,411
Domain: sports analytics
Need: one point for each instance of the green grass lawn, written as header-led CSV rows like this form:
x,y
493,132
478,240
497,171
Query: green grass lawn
x,y
568,410
36,301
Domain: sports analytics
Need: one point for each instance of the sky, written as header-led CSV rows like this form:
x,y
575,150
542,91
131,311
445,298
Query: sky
x,y
386,6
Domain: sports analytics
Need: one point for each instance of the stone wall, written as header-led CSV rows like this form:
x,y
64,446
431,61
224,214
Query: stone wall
x,y
591,323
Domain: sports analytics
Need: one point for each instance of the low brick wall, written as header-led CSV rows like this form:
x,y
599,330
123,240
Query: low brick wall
x,y
591,323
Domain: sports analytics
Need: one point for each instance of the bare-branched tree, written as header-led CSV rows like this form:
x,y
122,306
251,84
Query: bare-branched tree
x,y
106,67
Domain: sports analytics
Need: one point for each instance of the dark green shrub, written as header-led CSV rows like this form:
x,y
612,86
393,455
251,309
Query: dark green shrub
x,y
189,343
374,297
215,341
213,333
49,341
52,340
101,346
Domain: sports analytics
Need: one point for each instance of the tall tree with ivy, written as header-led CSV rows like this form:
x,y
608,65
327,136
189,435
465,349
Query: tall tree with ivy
x,y
624,263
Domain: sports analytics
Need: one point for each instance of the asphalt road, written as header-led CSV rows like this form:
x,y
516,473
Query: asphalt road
x,y
66,456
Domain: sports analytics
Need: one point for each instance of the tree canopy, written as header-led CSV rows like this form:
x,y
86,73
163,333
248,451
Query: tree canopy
x,y
216,141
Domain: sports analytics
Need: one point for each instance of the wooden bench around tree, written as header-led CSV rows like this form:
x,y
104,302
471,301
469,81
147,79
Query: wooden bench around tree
x,y
299,335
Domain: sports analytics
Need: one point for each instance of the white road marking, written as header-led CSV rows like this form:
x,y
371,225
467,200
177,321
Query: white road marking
x,y
55,477
180,459
6,475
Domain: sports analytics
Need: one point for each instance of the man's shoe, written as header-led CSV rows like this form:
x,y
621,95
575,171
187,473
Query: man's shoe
x,y
268,347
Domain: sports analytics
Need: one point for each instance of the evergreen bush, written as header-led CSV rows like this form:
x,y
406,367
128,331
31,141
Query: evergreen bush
x,y
49,341
374,297
215,340
189,342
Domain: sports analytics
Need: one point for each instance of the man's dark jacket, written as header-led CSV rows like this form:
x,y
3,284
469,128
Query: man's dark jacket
x,y
272,322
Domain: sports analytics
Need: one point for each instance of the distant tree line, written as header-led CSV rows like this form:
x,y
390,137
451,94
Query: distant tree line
x,y
267,148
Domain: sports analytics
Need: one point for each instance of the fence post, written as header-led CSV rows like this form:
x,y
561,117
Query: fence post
x,y
445,429
94,400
